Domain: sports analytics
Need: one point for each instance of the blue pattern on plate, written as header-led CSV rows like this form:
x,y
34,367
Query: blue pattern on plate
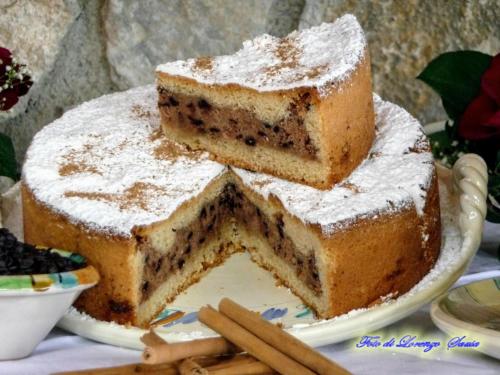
x,y
274,313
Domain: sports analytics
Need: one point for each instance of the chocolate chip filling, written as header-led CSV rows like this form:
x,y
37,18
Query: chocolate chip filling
x,y
231,203
197,115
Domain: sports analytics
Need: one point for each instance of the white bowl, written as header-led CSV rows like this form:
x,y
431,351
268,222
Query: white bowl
x,y
31,305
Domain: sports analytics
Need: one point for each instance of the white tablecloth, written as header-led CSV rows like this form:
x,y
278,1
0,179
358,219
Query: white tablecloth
x,y
62,351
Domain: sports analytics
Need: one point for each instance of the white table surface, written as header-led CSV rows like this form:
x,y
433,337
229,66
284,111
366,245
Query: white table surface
x,y
62,351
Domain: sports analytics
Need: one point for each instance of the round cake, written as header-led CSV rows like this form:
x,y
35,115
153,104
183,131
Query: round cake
x,y
153,216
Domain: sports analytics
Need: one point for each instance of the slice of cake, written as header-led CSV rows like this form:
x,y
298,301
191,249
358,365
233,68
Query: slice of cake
x,y
299,107
153,216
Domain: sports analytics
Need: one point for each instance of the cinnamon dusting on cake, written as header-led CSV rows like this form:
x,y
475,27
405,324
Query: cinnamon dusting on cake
x,y
262,183
76,162
91,196
168,150
136,196
68,169
288,51
319,57
141,112
315,72
204,63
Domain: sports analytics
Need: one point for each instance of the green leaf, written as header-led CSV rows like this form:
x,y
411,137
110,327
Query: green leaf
x,y
451,129
8,165
441,137
445,148
493,195
496,169
456,77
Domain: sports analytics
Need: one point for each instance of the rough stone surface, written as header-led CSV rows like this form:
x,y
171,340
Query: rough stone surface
x,y
72,69
141,35
404,36
284,16
33,32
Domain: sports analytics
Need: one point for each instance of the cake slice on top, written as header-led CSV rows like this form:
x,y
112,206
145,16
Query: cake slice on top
x,y
299,107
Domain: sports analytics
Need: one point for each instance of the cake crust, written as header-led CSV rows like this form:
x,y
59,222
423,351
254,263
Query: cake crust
x,y
114,298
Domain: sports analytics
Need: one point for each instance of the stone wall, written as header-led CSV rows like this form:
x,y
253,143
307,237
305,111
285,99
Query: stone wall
x,y
80,49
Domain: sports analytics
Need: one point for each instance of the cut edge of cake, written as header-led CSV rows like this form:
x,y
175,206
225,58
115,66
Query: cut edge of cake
x,y
313,131
393,255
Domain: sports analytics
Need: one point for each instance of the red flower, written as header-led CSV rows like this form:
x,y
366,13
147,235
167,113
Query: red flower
x,y
5,59
14,80
481,119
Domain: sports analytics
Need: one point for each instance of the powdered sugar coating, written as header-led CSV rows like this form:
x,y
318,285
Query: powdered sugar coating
x,y
396,174
316,57
116,182
99,166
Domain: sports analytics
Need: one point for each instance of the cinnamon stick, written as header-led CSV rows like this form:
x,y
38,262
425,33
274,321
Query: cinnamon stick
x,y
152,339
279,339
239,359
250,343
167,353
252,368
140,368
190,367
133,369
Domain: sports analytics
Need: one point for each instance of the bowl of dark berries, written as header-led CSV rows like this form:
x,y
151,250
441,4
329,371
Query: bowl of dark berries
x,y
37,286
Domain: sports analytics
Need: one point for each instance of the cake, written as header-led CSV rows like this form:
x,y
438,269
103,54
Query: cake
x,y
299,107
153,216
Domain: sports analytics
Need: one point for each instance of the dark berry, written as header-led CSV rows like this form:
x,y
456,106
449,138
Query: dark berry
x,y
250,141
203,104
17,258
173,102
195,121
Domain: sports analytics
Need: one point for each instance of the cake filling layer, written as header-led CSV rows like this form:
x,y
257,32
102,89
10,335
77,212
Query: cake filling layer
x,y
230,204
196,114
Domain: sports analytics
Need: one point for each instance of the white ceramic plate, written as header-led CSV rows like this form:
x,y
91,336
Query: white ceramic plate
x,y
463,208
473,309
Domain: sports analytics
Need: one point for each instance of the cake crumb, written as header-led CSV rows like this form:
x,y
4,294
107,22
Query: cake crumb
x,y
350,186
